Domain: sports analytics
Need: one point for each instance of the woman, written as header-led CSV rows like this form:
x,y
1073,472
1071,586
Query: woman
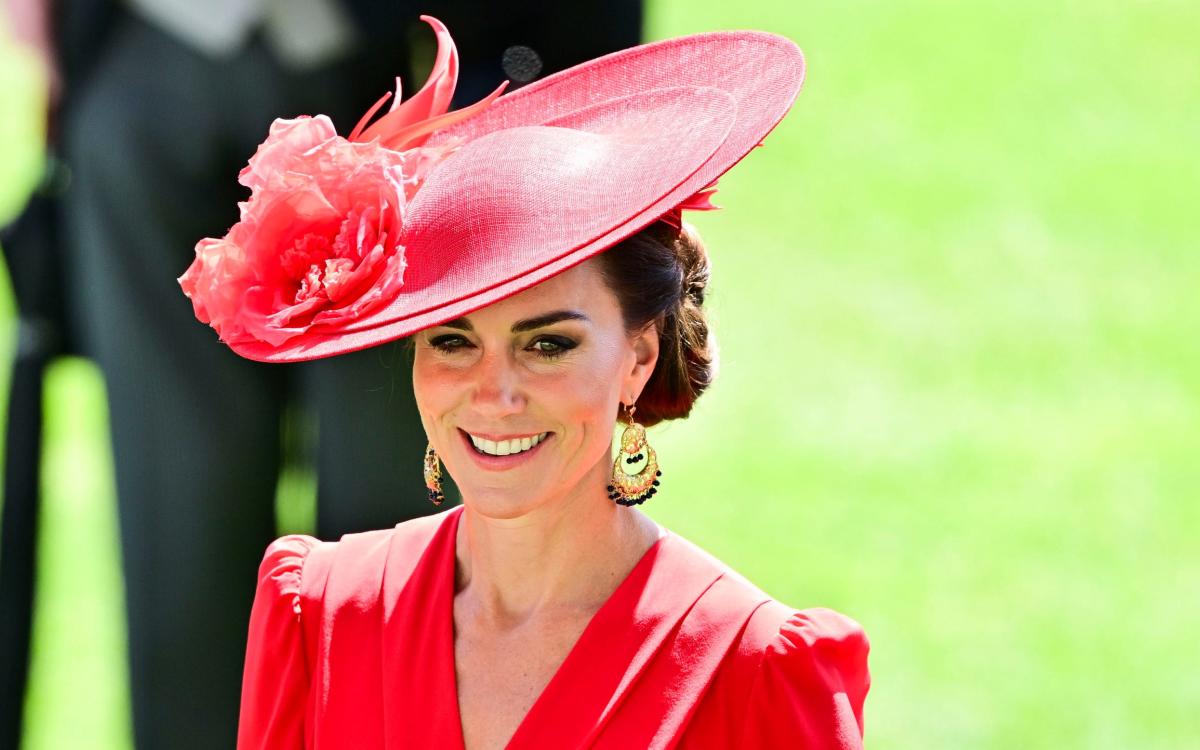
x,y
532,246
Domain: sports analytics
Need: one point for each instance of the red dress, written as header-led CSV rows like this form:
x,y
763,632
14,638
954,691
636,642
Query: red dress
x,y
352,646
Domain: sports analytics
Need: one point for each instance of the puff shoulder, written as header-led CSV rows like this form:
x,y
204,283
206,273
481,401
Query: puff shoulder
x,y
810,685
276,678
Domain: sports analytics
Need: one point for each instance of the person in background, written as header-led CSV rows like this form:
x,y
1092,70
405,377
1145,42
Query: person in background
x,y
155,103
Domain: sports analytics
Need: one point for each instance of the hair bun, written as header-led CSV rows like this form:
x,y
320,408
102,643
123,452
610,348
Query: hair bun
x,y
661,275
693,263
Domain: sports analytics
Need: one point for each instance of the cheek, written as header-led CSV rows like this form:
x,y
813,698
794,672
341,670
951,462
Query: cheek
x,y
434,387
586,393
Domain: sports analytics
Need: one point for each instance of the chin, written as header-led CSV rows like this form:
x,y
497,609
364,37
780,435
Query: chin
x,y
494,502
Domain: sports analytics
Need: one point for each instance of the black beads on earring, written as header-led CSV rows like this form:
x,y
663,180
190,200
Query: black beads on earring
x,y
634,489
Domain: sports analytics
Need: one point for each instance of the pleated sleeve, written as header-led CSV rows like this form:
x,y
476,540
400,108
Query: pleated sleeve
x,y
276,677
810,686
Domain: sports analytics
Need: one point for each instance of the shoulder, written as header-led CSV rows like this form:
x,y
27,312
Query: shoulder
x,y
349,572
306,587
299,572
298,566
780,637
283,560
786,632
300,580
791,673
276,674
820,644
279,577
774,627
810,677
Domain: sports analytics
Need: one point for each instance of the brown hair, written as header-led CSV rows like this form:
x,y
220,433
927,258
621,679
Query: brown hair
x,y
659,276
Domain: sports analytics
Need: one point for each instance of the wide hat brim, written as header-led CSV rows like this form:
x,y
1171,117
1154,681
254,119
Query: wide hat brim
x,y
565,168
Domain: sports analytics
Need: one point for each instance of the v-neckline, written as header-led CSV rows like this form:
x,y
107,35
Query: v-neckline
x,y
589,635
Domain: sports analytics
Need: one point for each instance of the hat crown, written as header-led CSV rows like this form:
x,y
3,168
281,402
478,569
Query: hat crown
x,y
528,195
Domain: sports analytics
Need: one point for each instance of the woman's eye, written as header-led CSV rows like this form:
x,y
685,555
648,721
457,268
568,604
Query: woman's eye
x,y
552,346
448,343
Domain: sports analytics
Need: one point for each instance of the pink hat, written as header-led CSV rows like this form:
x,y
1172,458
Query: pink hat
x,y
425,216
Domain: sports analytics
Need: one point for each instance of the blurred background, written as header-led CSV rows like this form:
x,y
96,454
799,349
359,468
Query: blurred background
x,y
956,297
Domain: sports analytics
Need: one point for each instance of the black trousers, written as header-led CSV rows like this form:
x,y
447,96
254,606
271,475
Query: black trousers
x,y
155,143
31,252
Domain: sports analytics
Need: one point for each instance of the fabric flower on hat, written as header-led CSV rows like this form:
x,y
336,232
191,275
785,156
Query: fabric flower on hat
x,y
318,243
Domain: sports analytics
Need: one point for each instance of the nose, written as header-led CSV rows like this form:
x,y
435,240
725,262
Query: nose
x,y
498,390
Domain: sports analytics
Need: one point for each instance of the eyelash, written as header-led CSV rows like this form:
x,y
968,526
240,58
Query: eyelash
x,y
450,343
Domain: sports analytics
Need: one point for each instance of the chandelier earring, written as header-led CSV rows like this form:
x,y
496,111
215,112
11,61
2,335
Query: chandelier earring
x,y
433,476
633,488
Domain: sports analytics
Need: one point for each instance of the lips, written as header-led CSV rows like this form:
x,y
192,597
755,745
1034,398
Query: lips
x,y
506,447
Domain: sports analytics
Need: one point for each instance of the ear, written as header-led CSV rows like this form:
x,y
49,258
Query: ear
x,y
645,355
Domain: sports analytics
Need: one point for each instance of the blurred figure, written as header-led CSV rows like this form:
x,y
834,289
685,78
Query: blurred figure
x,y
162,101
32,246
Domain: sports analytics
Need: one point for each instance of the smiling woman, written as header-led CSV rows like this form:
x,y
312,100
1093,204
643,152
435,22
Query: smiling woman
x,y
535,251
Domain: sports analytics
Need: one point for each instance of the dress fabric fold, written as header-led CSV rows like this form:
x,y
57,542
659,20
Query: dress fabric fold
x,y
351,644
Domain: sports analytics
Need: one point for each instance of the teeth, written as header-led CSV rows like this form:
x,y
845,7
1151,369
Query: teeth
x,y
506,447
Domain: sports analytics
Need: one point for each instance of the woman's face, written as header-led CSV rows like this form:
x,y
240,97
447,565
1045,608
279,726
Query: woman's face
x,y
539,377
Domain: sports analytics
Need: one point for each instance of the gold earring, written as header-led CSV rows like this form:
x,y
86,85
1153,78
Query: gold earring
x,y
634,489
433,476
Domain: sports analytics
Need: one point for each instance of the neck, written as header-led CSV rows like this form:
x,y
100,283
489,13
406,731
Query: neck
x,y
563,558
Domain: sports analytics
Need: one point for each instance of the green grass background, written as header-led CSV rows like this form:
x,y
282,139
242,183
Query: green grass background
x,y
960,387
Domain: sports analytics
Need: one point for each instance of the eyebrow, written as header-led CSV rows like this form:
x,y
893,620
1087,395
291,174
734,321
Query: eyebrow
x,y
528,324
